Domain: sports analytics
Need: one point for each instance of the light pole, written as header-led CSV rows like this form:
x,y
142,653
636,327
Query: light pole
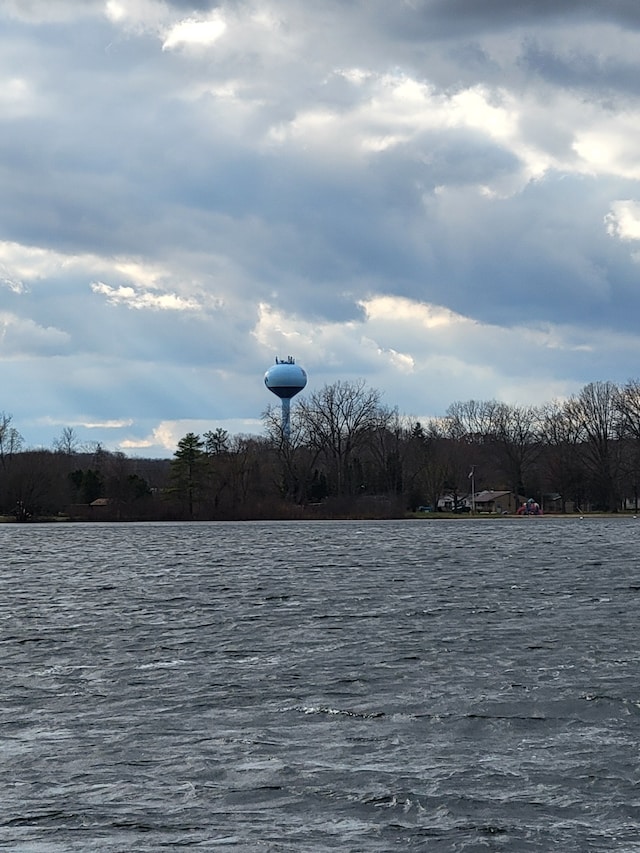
x,y
472,477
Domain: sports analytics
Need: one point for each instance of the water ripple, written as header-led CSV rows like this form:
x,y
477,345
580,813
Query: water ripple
x,y
349,686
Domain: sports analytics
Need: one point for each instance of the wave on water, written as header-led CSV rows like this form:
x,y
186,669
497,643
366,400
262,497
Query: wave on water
x,y
451,688
336,712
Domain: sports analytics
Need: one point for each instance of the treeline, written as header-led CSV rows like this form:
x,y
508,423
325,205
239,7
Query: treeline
x,y
347,454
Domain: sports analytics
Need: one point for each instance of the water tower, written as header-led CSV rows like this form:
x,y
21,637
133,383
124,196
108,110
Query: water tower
x,y
285,379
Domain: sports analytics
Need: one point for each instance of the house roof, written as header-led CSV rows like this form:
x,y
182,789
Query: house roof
x,y
488,495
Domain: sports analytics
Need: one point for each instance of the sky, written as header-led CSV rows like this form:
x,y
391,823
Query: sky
x,y
440,197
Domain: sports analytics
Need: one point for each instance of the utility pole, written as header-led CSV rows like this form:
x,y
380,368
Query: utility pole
x,y
472,477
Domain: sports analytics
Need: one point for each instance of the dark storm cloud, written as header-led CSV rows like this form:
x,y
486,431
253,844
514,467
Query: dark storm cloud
x,y
587,71
464,16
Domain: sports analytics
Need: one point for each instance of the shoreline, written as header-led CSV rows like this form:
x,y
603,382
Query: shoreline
x,y
435,516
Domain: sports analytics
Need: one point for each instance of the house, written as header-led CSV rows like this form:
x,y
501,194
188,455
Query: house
x,y
446,503
496,501
100,502
492,501
452,503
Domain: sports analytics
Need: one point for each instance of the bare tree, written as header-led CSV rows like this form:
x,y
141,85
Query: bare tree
x,y
10,439
503,438
68,442
598,408
517,435
382,459
434,462
629,406
562,434
628,403
473,421
338,421
246,487
297,462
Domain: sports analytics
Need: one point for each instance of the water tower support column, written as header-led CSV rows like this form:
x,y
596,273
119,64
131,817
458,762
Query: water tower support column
x,y
286,418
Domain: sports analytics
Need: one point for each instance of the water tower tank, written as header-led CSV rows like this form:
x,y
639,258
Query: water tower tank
x,y
285,379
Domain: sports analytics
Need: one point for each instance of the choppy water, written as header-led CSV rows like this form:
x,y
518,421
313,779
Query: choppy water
x,y
377,686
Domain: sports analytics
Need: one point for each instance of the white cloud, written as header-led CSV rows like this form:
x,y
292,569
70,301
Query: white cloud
x,y
87,424
623,221
20,262
14,284
611,151
412,348
20,336
109,424
396,110
17,97
165,436
138,15
386,308
192,32
137,299
400,361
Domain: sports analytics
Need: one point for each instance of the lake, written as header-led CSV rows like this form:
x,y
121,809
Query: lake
x,y
440,685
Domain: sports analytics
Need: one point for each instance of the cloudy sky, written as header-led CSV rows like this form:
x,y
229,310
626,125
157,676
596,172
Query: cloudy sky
x,y
439,196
